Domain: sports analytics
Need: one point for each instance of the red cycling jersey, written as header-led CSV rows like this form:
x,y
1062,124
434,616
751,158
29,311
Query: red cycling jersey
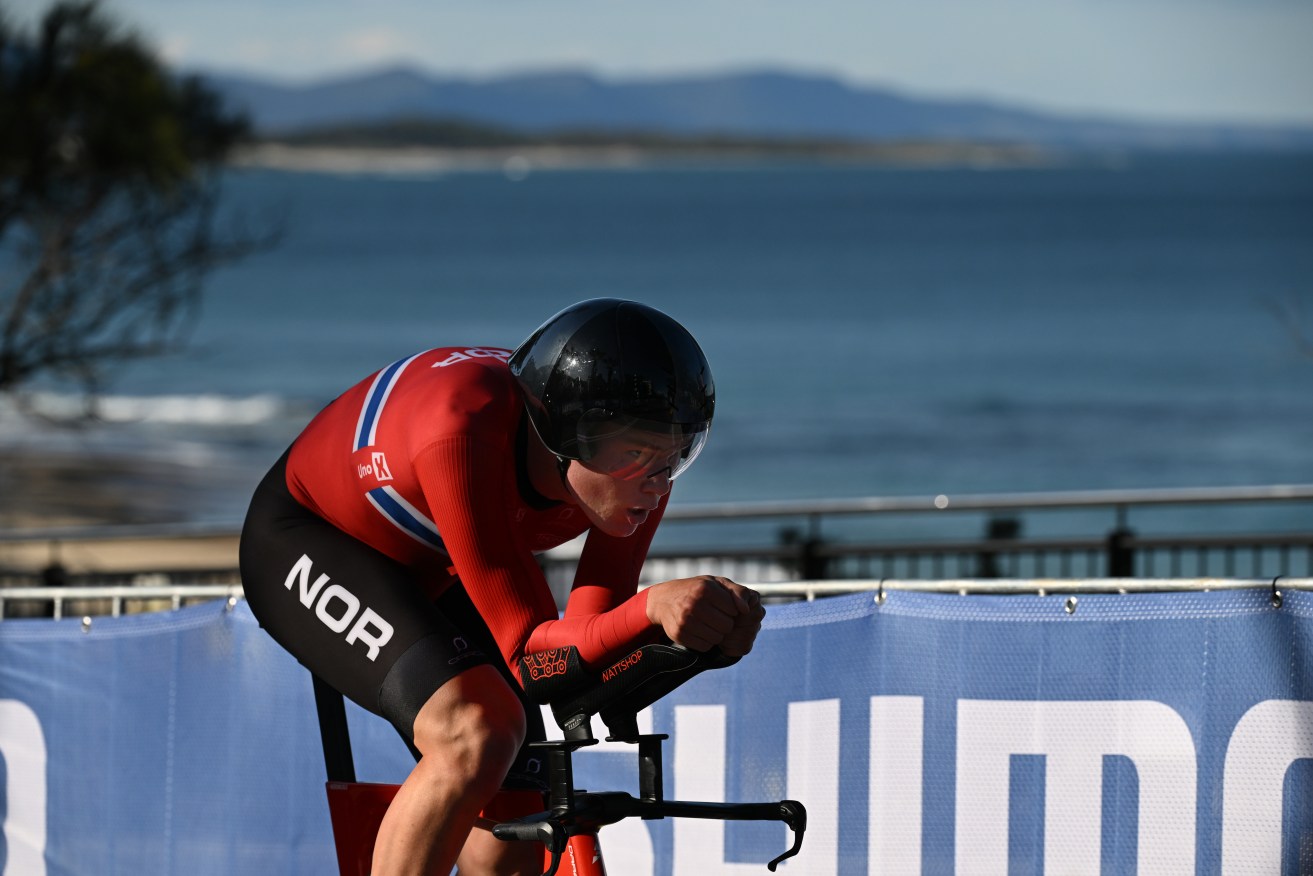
x,y
420,461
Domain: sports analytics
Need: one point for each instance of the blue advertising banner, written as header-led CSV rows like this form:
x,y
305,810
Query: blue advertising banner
x,y
927,734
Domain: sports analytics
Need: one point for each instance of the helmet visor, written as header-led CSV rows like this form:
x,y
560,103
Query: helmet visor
x,y
635,449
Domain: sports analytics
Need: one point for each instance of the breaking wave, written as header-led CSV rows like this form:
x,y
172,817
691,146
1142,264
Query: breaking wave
x,y
197,410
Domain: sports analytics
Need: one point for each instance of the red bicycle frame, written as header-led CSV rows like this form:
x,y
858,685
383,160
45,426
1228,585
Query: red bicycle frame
x,y
568,828
356,808
569,825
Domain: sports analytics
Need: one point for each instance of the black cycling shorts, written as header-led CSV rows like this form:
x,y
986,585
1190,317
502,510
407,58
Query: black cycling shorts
x,y
354,617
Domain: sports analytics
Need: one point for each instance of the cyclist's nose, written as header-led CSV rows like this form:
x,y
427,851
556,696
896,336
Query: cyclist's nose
x,y
659,481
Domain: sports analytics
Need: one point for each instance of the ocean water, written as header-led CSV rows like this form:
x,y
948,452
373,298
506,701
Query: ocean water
x,y
873,331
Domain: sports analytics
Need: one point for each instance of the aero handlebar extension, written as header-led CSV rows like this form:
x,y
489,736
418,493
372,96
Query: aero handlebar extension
x,y
617,694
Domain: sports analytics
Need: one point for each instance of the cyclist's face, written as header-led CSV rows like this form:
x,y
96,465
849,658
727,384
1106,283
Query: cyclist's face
x,y
636,455
617,505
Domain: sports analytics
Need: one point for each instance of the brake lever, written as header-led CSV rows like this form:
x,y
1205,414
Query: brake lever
x,y
794,814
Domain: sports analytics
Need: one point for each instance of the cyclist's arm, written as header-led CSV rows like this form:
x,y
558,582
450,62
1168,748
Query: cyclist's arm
x,y
701,612
461,477
604,609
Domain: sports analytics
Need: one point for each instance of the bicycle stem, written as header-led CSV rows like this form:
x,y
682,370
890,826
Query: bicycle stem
x,y
572,813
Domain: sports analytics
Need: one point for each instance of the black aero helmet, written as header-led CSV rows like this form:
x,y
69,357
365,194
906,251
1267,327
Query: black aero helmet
x,y
606,374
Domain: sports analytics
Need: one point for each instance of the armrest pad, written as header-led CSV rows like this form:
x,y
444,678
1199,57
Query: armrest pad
x,y
619,691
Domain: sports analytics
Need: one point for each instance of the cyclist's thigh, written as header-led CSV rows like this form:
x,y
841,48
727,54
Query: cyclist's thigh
x,y
351,615
456,605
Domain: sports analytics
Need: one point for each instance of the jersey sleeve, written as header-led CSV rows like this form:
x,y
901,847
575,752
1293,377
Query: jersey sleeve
x,y
460,475
605,614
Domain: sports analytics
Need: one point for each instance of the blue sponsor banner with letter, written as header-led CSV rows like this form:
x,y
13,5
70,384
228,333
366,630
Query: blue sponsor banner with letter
x,y
929,734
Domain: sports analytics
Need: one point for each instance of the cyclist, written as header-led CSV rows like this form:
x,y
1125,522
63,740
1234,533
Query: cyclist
x,y
391,549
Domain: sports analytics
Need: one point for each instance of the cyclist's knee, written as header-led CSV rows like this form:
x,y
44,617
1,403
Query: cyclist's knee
x,y
475,723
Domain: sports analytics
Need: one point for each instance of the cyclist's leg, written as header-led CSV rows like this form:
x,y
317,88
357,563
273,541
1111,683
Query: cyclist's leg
x,y
361,622
483,854
467,745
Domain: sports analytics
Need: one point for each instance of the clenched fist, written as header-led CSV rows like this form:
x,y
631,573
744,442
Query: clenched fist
x,y
705,611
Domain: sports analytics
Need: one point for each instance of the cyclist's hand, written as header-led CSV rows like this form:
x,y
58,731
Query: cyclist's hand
x,y
705,611
746,626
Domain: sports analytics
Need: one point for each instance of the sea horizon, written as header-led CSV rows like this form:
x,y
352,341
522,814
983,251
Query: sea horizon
x,y
873,331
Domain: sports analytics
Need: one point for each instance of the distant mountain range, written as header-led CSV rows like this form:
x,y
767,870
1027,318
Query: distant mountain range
x,y
751,104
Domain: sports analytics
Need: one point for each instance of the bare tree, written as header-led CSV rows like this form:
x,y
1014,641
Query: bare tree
x,y
110,171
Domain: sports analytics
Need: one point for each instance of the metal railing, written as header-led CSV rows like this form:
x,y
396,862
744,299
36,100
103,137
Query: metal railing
x,y
110,600
807,551
805,546
1120,499
89,602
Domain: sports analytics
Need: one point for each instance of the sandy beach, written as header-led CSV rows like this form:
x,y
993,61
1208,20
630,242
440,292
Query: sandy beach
x,y
517,162
80,552
421,160
101,515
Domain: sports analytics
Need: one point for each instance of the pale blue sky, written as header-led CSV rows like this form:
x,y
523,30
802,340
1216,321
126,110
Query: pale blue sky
x,y
1206,60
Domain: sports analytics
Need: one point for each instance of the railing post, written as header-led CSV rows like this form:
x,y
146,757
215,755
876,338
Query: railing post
x,y
54,575
998,529
811,564
1121,553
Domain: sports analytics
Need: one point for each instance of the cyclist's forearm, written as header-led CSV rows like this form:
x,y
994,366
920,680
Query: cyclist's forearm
x,y
599,637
